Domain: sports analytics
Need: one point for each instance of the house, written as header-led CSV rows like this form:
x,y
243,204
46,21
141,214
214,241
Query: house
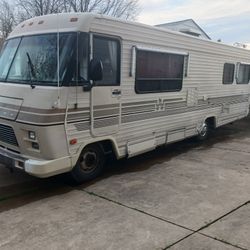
x,y
188,26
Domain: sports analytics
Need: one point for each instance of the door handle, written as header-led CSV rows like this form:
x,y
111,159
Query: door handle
x,y
116,92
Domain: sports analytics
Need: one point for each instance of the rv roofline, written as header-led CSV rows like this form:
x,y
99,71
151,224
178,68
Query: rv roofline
x,y
84,25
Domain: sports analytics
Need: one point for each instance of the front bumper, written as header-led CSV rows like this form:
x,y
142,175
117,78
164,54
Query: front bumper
x,y
35,167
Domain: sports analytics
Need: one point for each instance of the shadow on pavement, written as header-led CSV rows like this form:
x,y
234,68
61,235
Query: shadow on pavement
x,y
15,195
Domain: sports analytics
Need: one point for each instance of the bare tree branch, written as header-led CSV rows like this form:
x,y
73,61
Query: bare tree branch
x,y
31,8
126,9
24,9
7,18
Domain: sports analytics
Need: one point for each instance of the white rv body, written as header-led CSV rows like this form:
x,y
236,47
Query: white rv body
x,y
66,119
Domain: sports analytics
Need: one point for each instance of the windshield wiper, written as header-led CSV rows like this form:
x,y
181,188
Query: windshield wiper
x,y
32,71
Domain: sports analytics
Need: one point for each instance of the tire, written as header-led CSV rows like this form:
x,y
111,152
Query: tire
x,y
89,165
203,133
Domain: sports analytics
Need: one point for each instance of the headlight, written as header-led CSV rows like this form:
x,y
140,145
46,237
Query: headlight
x,y
32,135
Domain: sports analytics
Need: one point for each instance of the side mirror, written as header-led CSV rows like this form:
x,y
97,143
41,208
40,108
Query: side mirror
x,y
95,70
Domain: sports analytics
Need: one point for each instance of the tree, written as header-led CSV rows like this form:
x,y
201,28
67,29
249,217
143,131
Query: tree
x,y
7,18
31,8
126,9
11,14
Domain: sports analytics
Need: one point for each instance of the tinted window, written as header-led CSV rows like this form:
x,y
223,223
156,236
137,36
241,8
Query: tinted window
x,y
243,74
228,73
108,51
158,72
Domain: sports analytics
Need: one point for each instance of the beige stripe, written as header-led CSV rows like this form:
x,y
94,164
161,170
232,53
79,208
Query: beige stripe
x,y
10,106
8,113
38,119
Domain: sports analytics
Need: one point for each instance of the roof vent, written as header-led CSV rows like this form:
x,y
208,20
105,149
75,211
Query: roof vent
x,y
73,19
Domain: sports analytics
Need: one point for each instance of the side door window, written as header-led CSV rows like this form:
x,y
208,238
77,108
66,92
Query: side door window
x,y
108,51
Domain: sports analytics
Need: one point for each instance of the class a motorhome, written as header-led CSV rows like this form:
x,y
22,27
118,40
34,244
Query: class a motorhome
x,y
75,87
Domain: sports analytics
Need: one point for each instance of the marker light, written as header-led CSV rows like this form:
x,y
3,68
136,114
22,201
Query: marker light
x,y
73,19
73,141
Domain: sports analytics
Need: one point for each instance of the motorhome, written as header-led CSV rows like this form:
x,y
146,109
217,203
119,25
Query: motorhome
x,y
77,86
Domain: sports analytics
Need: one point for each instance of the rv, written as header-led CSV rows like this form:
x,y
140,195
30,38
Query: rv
x,y
75,87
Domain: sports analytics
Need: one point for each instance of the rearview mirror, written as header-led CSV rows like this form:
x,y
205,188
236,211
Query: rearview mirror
x,y
95,70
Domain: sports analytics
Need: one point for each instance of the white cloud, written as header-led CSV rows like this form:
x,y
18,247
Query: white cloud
x,y
160,11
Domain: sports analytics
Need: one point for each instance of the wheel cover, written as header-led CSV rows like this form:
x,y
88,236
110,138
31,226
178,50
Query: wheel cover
x,y
88,161
204,130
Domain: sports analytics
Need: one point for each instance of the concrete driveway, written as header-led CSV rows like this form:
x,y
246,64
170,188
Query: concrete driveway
x,y
185,196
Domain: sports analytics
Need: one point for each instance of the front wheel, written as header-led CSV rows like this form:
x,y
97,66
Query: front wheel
x,y
89,165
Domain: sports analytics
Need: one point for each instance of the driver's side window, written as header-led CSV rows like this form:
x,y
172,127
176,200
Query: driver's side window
x,y
108,51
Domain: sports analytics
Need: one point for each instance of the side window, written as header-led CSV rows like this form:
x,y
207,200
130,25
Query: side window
x,y
158,72
228,73
108,51
76,57
243,75
7,54
83,53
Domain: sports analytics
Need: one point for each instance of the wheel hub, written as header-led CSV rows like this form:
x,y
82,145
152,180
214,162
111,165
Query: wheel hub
x,y
203,129
89,161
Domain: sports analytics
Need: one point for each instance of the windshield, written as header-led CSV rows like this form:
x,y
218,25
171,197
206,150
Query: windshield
x,y
33,59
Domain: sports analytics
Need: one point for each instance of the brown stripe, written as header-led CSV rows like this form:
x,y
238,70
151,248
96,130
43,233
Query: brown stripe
x,y
138,103
116,105
106,122
80,116
82,126
129,110
51,111
42,111
108,112
172,100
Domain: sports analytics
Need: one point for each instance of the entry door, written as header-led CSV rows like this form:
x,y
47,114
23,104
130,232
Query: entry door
x,y
106,94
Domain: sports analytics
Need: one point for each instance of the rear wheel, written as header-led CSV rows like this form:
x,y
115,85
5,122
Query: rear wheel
x,y
89,165
203,132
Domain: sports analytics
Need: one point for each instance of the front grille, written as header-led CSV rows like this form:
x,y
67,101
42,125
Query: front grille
x,y
7,135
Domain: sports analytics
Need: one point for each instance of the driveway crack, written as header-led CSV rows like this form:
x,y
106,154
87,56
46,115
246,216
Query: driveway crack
x,y
176,224
135,209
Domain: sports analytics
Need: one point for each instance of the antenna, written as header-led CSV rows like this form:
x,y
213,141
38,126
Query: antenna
x,y
77,67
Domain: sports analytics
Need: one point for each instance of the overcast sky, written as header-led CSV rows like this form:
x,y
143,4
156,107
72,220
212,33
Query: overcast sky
x,y
228,20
